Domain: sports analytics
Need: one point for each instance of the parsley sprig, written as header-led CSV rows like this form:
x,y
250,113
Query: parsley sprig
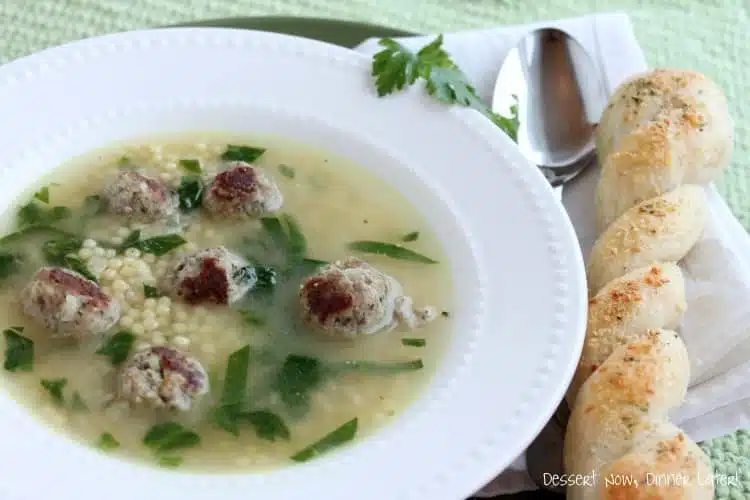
x,y
396,67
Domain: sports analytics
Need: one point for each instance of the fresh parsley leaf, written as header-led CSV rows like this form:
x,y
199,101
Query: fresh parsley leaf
x,y
192,166
55,388
234,392
107,442
171,461
55,251
19,350
170,436
158,245
287,171
77,265
298,377
414,342
77,403
390,250
334,439
151,292
10,264
267,424
396,67
42,195
248,154
117,347
409,237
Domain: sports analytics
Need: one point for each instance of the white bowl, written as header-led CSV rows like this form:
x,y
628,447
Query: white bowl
x,y
518,270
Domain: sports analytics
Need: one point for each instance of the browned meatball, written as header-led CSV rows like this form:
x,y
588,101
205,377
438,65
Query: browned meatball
x,y
69,304
162,377
140,197
242,190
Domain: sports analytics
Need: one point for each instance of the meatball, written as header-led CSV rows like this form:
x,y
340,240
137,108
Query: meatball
x,y
212,275
69,304
349,298
140,198
162,377
242,190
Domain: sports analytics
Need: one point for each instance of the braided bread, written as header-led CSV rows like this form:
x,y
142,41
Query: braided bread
x,y
664,133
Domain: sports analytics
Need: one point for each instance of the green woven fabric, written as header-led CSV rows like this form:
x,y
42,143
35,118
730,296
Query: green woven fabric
x,y
710,36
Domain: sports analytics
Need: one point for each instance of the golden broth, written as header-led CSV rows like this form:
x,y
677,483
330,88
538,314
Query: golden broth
x,y
335,202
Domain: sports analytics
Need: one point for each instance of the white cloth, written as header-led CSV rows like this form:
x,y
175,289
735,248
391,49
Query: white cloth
x,y
717,270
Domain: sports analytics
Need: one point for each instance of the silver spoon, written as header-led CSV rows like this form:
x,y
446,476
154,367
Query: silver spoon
x,y
560,98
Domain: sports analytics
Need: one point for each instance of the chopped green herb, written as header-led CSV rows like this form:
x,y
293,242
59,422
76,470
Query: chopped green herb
x,y
77,265
396,67
267,425
55,388
170,436
252,318
33,214
413,236
414,342
190,192
151,292
297,378
107,442
390,250
287,171
42,195
234,392
118,347
334,439
10,264
158,245
171,461
266,278
55,251
77,403
247,154
192,166
19,350
376,367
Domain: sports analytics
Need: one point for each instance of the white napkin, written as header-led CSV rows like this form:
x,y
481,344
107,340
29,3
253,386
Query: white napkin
x,y
717,270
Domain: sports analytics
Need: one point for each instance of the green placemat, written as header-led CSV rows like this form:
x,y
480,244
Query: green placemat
x,y
712,37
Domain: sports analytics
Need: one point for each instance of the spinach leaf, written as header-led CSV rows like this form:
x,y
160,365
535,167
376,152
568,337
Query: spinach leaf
x,y
267,425
55,388
33,214
77,265
390,250
266,278
157,245
55,251
234,392
151,292
376,367
287,171
19,350
190,192
414,342
107,442
247,154
93,205
297,378
297,243
10,264
192,166
118,347
170,436
252,318
334,439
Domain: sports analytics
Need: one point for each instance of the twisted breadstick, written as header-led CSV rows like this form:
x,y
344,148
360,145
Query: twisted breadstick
x,y
664,133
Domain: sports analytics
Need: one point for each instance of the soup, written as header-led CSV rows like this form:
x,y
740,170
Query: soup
x,y
204,302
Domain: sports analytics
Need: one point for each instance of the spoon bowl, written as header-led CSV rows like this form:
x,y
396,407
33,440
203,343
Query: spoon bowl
x,y
558,91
